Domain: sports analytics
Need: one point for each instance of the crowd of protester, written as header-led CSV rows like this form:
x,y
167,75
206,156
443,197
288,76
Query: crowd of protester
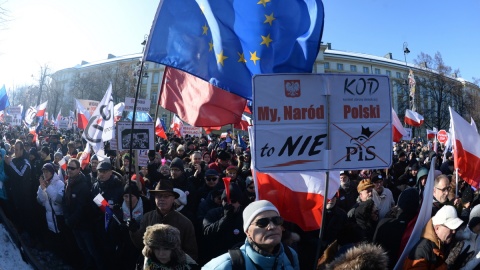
x,y
174,213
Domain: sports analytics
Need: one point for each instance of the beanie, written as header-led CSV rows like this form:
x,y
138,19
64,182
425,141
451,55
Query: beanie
x,y
131,188
235,193
49,167
94,157
255,208
177,163
474,218
58,154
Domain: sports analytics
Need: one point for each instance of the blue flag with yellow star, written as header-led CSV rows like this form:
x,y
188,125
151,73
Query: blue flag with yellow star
x,y
227,42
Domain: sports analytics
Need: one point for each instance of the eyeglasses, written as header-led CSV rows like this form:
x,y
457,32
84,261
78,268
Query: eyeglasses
x,y
264,222
444,189
212,179
72,168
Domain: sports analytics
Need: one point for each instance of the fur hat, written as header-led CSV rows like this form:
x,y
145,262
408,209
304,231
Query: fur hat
x,y
364,256
255,208
364,184
165,236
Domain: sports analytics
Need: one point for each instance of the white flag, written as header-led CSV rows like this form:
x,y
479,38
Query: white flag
x,y
100,125
30,115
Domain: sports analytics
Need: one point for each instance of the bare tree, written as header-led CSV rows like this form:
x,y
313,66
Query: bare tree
x,y
436,90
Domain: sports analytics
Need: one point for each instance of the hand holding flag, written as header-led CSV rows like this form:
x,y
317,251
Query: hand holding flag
x,y
105,207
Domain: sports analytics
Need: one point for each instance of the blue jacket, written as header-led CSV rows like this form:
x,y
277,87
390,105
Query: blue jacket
x,y
251,256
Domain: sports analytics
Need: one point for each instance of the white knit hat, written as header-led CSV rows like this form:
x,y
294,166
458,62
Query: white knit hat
x,y
255,208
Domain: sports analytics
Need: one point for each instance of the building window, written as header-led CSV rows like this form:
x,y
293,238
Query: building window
x,y
398,75
353,68
366,70
339,66
377,71
326,65
144,80
156,76
389,73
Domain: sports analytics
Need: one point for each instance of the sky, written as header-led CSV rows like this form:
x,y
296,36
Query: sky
x,y
62,33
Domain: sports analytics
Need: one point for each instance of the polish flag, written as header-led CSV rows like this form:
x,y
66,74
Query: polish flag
x,y
244,123
177,126
85,157
298,196
82,115
413,118
466,149
62,164
41,109
397,129
159,129
208,130
431,134
105,207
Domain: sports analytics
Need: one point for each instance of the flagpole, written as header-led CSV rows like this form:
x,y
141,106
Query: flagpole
x,y
325,195
133,125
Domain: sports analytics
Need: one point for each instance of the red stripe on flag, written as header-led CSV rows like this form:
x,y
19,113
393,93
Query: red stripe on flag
x,y
302,208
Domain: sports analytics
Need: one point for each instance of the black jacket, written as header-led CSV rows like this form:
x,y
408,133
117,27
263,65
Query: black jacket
x,y
77,204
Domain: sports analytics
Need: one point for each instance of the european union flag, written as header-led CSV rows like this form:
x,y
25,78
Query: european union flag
x,y
4,102
226,42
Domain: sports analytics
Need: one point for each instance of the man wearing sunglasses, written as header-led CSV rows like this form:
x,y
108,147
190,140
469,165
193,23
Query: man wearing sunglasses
x,y
263,249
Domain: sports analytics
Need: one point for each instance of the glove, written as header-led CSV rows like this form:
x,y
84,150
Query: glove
x,y
132,225
228,210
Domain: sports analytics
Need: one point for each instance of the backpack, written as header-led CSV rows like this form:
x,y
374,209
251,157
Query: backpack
x,y
238,262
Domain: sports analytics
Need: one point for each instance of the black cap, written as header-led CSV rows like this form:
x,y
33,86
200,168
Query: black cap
x,y
104,166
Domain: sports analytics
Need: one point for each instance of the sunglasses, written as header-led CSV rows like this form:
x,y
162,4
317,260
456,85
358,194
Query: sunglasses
x,y
72,168
264,222
212,179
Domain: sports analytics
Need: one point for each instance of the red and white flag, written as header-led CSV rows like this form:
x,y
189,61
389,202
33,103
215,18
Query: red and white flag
x,y
82,115
397,129
244,123
466,149
431,134
177,126
118,111
85,157
41,109
298,196
413,118
473,124
198,102
159,129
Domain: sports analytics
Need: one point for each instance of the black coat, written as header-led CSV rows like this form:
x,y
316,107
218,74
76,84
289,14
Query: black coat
x,y
77,204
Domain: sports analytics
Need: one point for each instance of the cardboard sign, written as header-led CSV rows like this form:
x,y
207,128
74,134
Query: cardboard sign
x,y
311,122
143,105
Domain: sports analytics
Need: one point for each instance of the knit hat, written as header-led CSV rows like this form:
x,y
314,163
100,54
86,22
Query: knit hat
x,y
474,218
94,157
162,235
255,208
211,172
58,154
408,200
223,155
177,163
180,148
364,184
181,201
49,167
447,216
235,193
104,166
131,188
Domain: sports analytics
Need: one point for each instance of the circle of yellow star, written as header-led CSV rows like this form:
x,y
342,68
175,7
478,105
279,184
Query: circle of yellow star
x,y
254,57
221,57
266,40
205,29
269,19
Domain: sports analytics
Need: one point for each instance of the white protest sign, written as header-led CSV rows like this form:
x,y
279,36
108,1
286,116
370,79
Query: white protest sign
x,y
290,124
408,136
142,158
143,105
192,131
295,124
14,110
63,122
143,135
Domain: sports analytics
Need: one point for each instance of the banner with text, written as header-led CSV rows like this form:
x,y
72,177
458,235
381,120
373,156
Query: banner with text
x,y
143,105
298,117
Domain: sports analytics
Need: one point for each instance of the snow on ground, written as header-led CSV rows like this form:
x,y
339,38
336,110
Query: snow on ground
x,y
10,257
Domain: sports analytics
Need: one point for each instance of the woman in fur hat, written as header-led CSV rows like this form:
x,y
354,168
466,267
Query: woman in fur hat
x,y
162,249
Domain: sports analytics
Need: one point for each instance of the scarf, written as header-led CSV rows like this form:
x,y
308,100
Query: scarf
x,y
137,210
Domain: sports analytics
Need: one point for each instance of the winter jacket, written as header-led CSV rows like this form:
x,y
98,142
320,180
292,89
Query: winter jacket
x,y
3,176
470,243
229,228
51,198
427,253
172,218
384,202
253,258
77,204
